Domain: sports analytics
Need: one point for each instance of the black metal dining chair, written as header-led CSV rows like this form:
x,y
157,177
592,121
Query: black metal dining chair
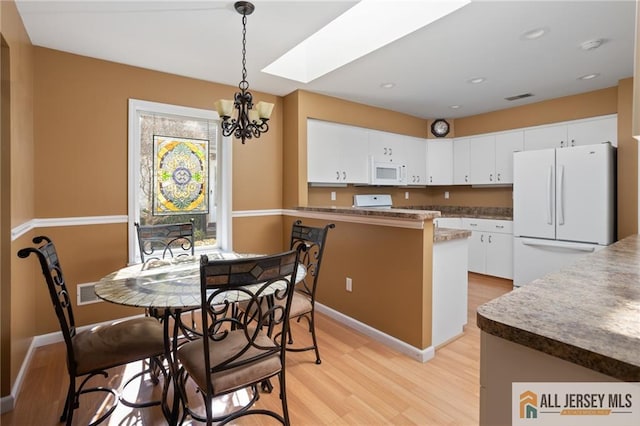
x,y
165,240
239,352
91,352
304,298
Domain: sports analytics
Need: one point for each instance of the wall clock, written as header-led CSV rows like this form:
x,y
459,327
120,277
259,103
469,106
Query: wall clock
x,y
440,128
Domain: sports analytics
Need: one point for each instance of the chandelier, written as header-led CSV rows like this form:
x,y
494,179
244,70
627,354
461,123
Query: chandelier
x,y
249,122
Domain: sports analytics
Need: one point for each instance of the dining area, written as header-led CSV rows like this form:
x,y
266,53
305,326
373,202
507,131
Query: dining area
x,y
213,336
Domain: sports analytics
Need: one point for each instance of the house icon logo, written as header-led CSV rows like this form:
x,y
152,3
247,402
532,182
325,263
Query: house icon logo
x,y
528,405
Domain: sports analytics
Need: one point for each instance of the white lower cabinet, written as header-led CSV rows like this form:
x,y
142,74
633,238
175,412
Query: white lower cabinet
x,y
490,246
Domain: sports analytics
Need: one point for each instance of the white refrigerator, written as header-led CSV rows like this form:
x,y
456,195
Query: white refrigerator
x,y
563,207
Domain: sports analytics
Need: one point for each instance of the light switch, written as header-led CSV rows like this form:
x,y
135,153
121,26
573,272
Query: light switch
x,y
446,195
333,195
406,195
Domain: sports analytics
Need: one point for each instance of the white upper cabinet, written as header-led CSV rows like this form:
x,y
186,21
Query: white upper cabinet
x,y
482,159
416,149
545,137
386,147
573,133
336,153
506,144
593,131
439,161
461,161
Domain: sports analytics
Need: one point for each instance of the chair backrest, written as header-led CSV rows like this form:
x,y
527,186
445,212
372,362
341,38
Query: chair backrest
x,y
250,280
166,240
314,240
52,271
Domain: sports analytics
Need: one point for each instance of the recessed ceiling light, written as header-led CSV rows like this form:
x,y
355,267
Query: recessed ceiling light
x,y
367,26
388,85
588,76
454,106
534,34
477,80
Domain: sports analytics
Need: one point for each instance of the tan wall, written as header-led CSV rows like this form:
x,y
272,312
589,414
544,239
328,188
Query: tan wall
x,y
636,85
17,307
391,272
627,189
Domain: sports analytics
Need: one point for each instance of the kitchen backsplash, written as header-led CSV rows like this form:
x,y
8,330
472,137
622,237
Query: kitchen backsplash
x,y
492,212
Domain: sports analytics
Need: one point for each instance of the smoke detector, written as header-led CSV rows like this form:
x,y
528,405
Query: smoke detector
x,y
591,44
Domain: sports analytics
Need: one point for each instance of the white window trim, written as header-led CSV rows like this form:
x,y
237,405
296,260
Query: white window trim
x,y
224,222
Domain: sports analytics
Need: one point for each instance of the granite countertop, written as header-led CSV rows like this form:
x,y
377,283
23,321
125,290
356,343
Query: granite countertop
x,y
412,214
588,313
448,234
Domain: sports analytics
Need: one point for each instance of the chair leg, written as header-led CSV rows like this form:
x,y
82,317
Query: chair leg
x,y
67,412
312,326
283,398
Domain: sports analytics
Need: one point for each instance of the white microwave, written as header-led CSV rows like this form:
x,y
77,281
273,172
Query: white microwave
x,y
387,173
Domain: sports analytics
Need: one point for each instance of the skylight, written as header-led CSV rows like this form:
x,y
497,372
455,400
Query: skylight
x,y
367,26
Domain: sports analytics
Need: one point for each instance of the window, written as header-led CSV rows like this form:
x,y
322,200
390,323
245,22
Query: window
x,y
179,170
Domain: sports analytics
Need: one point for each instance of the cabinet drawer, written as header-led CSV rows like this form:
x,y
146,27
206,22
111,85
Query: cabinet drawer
x,y
488,225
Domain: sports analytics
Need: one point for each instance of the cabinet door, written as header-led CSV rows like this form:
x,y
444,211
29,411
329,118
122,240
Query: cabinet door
x,y
323,165
352,150
544,137
416,149
477,254
336,153
382,146
594,131
506,145
482,159
499,255
439,162
461,161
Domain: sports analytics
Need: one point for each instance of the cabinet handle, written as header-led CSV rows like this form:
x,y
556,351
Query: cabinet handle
x,y
473,224
385,151
489,239
390,151
466,178
482,238
573,142
491,177
561,144
499,226
337,175
430,179
499,178
344,175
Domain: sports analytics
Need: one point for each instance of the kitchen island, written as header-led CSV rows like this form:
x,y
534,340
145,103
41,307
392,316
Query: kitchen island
x,y
581,324
388,255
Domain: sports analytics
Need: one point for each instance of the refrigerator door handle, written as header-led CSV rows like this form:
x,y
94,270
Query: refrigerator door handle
x,y
549,195
560,206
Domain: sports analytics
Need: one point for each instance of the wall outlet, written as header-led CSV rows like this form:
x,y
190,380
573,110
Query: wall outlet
x,y
349,284
406,195
446,195
333,195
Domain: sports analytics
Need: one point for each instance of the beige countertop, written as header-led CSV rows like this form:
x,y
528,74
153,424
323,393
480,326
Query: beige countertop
x,y
448,234
587,313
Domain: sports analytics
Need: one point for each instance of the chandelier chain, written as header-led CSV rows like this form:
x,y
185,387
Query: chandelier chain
x,y
244,84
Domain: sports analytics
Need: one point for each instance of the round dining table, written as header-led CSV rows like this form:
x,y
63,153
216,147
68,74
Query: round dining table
x,y
171,286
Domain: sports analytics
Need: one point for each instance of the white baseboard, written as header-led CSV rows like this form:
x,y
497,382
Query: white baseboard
x,y
7,403
422,355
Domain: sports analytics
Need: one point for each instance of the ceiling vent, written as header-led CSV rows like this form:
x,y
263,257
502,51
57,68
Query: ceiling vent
x,y
516,97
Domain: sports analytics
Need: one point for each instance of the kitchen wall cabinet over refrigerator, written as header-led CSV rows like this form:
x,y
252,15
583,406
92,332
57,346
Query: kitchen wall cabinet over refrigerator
x,y
336,153
573,133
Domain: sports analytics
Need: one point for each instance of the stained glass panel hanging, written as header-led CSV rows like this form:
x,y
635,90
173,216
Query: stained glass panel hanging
x,y
180,175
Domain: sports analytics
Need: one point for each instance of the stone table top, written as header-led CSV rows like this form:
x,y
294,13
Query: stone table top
x,y
170,283
410,214
587,313
448,234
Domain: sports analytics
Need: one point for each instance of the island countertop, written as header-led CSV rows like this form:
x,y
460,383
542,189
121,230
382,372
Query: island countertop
x,y
587,313
409,214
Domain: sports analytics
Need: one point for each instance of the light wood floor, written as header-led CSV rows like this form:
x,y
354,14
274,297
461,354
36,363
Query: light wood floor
x,y
360,381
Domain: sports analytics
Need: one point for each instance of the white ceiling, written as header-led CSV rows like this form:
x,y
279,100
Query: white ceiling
x,y
431,67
